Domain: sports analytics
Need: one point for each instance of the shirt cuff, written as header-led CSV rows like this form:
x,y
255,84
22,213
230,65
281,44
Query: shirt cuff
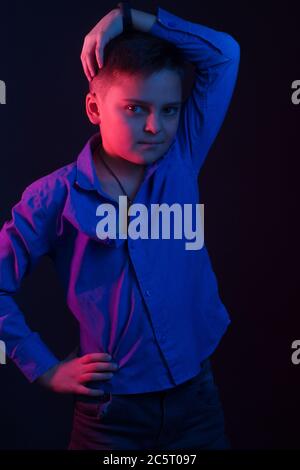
x,y
33,357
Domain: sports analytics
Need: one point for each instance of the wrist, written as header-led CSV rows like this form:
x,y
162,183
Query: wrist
x,y
44,379
142,21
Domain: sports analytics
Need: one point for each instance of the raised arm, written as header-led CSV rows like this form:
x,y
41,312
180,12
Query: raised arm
x,y
216,56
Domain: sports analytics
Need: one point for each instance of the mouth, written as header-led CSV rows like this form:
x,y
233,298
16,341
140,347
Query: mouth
x,y
148,144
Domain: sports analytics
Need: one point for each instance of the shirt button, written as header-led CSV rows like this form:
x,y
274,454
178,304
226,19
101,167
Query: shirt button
x,y
148,293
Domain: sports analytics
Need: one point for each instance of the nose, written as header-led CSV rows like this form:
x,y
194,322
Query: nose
x,y
153,124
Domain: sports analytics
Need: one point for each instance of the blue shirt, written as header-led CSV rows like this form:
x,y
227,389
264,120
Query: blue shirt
x,y
150,303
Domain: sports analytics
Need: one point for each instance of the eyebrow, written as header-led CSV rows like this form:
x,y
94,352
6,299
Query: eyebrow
x,y
147,102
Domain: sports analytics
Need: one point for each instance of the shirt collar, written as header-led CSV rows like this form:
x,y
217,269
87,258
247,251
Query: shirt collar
x,y
85,170
86,176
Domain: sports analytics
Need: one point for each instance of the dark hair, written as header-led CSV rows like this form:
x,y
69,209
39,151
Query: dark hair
x,y
136,53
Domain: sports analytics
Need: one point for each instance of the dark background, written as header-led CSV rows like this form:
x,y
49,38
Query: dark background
x,y
248,184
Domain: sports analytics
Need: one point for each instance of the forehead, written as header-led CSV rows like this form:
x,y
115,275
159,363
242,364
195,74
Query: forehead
x,y
164,85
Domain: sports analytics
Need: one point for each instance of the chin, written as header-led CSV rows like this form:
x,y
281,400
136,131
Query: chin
x,y
151,159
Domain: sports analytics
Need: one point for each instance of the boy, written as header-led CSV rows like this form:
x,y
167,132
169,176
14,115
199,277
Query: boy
x,y
149,303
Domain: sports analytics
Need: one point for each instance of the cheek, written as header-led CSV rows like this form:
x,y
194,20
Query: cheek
x,y
126,138
172,128
123,131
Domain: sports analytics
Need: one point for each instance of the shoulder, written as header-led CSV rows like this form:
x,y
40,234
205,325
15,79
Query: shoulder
x,y
49,191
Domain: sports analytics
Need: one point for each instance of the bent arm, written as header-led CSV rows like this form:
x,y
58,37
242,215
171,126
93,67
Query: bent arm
x,y
216,56
24,239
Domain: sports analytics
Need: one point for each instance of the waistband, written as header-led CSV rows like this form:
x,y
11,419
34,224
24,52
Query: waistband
x,y
205,369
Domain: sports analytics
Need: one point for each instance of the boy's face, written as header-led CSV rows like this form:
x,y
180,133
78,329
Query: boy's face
x,y
125,121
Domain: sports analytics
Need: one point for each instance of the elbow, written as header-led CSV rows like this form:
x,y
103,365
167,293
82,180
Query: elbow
x,y
233,48
230,47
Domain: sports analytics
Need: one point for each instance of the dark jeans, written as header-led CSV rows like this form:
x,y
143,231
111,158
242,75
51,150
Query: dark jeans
x,y
188,416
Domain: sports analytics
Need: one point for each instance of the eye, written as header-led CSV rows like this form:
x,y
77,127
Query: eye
x,y
174,108
132,106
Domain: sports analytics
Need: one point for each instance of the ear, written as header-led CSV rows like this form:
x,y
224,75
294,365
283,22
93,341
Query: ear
x,y
92,108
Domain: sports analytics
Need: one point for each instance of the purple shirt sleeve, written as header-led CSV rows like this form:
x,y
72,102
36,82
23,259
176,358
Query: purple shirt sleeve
x,y
216,56
23,240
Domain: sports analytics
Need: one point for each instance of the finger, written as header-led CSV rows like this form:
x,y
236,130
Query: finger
x,y
85,55
85,67
91,62
89,377
83,59
95,357
99,367
86,70
99,54
82,390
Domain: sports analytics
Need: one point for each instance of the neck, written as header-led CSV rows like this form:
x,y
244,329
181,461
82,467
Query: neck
x,y
130,174
121,167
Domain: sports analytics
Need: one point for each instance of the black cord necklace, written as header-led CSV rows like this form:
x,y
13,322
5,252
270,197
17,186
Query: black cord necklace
x,y
114,175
